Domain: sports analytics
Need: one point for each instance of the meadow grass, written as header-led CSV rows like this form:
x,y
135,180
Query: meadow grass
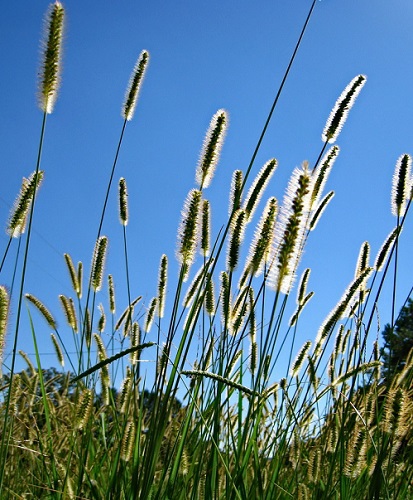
x,y
221,424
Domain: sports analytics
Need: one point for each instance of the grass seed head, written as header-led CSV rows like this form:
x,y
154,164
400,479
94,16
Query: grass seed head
x,y
98,263
135,84
341,109
51,64
21,208
211,149
402,185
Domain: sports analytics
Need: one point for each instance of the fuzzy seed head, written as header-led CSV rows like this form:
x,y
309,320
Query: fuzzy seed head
x,y
188,230
4,315
162,283
259,252
21,208
123,202
111,287
402,185
290,231
50,70
235,192
237,236
42,310
258,187
135,84
301,356
150,315
98,263
385,249
205,228
211,149
341,109
58,350
319,210
320,175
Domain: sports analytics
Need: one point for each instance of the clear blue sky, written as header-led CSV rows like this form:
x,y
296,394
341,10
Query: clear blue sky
x,y
204,56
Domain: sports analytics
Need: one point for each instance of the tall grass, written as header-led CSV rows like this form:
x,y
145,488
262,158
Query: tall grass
x,y
214,418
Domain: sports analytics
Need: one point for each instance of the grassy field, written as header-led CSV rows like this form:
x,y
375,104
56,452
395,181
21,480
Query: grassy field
x,y
223,423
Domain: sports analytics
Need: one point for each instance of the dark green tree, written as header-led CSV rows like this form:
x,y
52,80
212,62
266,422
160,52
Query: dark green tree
x,y
398,341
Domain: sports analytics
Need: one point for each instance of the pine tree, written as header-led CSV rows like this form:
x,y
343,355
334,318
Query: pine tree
x,y
398,341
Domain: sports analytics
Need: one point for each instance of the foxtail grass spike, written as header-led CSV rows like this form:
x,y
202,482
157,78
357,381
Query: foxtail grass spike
x,y
194,286
320,175
339,114
385,248
235,192
104,370
228,382
18,216
102,319
80,278
124,391
363,259
296,315
84,409
72,272
402,185
135,340
42,310
126,312
150,315
111,287
4,315
205,228
188,231
51,64
336,314
211,149
123,202
58,350
69,312
261,245
135,83
237,236
128,441
318,212
289,231
26,358
258,187
209,301
162,284
302,287
299,360
98,263
225,296
88,328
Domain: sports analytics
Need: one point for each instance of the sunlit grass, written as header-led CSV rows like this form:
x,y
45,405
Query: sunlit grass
x,y
212,417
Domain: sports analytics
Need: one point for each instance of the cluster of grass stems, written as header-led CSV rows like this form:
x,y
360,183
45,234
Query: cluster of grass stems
x,y
330,428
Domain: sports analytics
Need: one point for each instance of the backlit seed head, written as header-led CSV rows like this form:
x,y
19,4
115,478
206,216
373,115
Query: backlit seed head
x,y
402,185
21,208
4,315
258,187
290,231
211,149
188,230
123,202
339,113
235,192
98,263
50,70
135,84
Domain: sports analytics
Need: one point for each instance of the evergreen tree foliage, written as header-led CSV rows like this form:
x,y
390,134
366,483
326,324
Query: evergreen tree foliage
x,y
398,341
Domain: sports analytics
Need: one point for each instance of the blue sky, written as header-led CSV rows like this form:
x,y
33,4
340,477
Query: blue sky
x,y
204,56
